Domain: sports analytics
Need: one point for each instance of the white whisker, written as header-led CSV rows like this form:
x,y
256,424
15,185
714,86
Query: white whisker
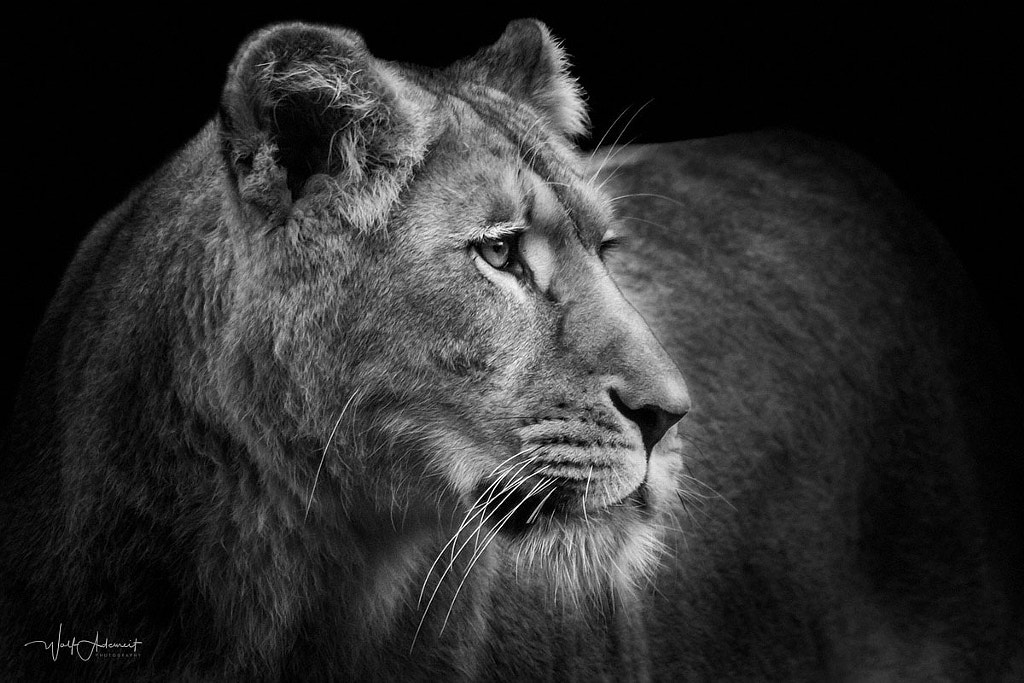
x,y
547,483
536,510
323,455
505,493
648,222
613,149
648,194
586,489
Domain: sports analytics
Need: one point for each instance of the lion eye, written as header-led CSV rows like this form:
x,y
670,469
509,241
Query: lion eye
x,y
496,251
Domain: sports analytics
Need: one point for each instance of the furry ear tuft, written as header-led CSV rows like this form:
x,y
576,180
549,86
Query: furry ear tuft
x,y
528,63
306,100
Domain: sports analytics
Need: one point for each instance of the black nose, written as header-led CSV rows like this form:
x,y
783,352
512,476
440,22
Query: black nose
x,y
653,420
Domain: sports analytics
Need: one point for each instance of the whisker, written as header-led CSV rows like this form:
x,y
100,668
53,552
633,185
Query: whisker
x,y
608,130
323,455
609,177
586,489
508,491
695,496
699,449
679,528
686,509
687,475
613,149
649,194
524,451
473,511
536,510
548,483
648,222
694,439
613,152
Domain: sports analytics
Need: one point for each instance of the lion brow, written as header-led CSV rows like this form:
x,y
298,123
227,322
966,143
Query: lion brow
x,y
495,231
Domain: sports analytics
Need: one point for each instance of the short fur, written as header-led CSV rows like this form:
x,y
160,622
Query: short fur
x,y
283,420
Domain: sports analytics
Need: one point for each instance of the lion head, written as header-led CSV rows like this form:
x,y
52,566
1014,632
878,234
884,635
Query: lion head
x,y
421,312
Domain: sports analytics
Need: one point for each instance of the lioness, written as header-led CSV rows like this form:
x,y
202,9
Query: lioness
x,y
349,390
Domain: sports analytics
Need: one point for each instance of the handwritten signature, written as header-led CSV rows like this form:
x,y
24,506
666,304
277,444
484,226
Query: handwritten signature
x,y
84,649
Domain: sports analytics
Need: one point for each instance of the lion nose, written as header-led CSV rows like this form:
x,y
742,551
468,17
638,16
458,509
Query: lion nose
x,y
638,376
653,414
645,385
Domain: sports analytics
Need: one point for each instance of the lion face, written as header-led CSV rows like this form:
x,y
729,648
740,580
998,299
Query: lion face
x,y
437,312
562,388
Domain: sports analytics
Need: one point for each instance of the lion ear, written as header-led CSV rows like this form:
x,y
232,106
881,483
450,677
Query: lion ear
x,y
528,63
305,100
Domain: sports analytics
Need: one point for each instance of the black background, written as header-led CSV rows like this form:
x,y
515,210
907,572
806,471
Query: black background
x,y
95,103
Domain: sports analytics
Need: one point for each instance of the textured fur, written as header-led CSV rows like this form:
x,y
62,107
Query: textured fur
x,y
279,390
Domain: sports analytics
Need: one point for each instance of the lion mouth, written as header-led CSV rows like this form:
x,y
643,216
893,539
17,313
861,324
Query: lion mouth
x,y
563,475
539,502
